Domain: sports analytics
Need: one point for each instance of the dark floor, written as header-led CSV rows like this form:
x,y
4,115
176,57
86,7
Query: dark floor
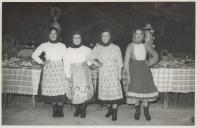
x,y
20,111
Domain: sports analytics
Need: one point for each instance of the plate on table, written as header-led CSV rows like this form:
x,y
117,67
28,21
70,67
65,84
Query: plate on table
x,y
36,66
12,65
25,67
25,64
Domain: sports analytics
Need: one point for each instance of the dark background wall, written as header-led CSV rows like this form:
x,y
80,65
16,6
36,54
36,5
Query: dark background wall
x,y
174,22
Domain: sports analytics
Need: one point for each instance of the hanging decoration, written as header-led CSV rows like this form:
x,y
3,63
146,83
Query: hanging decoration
x,y
149,37
56,12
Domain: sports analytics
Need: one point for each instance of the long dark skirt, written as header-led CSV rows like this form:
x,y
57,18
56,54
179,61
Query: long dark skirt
x,y
142,86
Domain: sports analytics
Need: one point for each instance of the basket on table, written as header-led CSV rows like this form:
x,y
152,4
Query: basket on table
x,y
165,56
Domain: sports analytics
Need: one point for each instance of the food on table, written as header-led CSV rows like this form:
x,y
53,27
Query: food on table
x,y
20,63
12,64
14,59
26,63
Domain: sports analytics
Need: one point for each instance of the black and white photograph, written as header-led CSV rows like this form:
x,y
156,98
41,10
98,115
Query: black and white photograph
x,y
98,63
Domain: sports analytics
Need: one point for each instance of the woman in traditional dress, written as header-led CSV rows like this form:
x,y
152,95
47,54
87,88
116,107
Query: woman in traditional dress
x,y
139,77
77,71
54,83
109,88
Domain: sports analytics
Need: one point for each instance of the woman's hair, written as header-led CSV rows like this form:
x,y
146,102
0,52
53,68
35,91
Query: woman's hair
x,y
106,30
77,33
53,28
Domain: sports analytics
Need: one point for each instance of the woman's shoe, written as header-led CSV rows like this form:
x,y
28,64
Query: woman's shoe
x,y
60,111
55,114
137,112
77,112
109,112
114,114
147,114
83,110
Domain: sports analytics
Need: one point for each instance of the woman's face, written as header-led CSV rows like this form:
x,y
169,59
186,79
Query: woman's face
x,y
139,35
53,35
105,37
76,39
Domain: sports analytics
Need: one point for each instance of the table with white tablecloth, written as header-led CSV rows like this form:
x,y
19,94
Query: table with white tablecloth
x,y
26,81
23,81
176,80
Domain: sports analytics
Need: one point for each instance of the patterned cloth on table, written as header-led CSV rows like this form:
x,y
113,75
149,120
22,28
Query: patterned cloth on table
x,y
162,78
20,81
109,88
183,80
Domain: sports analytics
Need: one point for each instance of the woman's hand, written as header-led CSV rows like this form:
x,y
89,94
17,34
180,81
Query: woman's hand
x,y
45,62
128,81
120,76
147,63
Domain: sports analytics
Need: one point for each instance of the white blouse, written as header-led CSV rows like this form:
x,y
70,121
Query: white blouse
x,y
139,51
53,52
75,55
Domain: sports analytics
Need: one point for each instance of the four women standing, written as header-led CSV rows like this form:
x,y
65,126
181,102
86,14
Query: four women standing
x,y
66,72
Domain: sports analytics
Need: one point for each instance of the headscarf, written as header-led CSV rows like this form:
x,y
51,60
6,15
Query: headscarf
x,y
58,35
74,45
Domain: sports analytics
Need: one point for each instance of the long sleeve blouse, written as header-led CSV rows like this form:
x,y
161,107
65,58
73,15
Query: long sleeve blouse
x,y
75,55
53,52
